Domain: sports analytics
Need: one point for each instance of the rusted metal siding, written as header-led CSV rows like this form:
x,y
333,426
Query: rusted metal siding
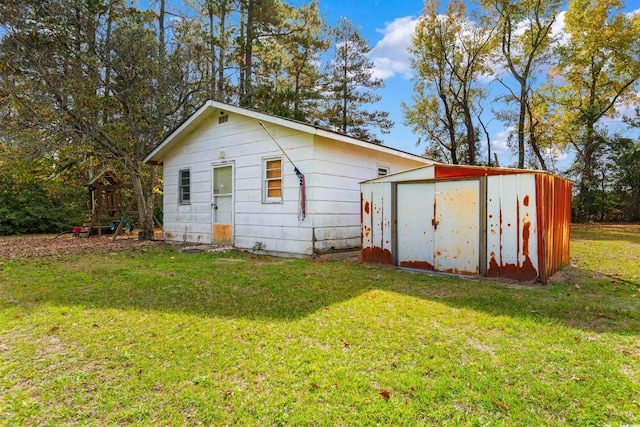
x,y
553,199
458,171
415,225
437,226
512,227
376,223
457,227
508,223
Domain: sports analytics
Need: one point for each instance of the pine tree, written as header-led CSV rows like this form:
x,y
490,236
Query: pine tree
x,y
349,81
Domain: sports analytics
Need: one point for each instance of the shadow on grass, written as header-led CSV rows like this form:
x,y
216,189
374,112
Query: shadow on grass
x,y
242,286
614,236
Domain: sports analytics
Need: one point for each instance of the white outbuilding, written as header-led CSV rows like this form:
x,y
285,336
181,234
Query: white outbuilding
x,y
237,176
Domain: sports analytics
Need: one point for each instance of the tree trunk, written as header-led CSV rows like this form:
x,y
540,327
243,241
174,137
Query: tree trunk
x,y
247,95
586,175
143,201
220,95
521,119
471,134
212,53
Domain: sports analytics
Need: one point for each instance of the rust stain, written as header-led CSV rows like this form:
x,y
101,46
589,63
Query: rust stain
x,y
457,271
517,232
376,255
418,265
553,207
366,207
524,273
494,268
222,233
367,231
457,171
526,233
526,200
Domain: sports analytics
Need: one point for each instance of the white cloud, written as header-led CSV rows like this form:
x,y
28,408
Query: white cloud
x,y
555,154
499,143
391,55
622,111
633,13
557,29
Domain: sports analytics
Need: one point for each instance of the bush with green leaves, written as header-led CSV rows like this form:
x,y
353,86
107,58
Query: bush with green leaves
x,y
38,206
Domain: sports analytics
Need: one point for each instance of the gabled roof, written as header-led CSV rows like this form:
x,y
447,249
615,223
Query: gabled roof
x,y
109,176
205,112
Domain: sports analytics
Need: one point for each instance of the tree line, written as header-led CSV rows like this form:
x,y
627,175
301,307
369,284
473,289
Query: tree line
x,y
557,89
87,85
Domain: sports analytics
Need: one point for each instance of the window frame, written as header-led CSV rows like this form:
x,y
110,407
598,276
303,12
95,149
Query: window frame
x,y
182,186
265,180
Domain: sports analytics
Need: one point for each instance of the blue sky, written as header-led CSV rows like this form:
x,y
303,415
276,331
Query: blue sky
x,y
376,20
388,25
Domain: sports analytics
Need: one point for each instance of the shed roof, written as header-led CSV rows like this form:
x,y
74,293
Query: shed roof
x,y
443,171
158,154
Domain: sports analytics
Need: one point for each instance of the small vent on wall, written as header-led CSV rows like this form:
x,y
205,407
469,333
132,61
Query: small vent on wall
x,y
223,119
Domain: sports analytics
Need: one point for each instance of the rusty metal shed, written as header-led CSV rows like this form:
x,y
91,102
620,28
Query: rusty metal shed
x,y
493,222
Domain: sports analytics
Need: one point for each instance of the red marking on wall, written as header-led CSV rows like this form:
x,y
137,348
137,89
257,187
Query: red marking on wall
x,y
526,200
366,207
418,265
526,233
376,256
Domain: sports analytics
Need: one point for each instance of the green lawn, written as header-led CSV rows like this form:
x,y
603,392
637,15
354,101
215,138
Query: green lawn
x,y
159,337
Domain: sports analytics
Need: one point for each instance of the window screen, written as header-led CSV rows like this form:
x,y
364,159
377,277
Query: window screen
x,y
184,186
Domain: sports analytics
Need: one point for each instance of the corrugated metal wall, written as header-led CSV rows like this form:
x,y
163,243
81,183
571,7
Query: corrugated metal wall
x,y
519,221
376,214
553,197
512,247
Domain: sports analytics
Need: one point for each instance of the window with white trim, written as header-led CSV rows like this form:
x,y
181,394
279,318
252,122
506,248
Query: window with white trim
x,y
272,180
184,187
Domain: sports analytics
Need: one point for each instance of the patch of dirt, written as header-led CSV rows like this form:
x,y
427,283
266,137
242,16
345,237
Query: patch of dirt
x,y
573,275
43,245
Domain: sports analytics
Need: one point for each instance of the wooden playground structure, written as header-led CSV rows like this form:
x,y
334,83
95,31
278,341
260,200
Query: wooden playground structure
x,y
107,211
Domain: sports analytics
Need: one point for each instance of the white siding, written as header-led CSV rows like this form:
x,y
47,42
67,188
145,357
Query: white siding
x,y
333,171
335,189
243,143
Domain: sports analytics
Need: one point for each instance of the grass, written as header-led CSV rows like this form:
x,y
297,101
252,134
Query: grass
x,y
159,337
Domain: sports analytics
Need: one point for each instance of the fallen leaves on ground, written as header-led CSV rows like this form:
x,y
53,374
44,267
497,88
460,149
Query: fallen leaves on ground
x,y
44,245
